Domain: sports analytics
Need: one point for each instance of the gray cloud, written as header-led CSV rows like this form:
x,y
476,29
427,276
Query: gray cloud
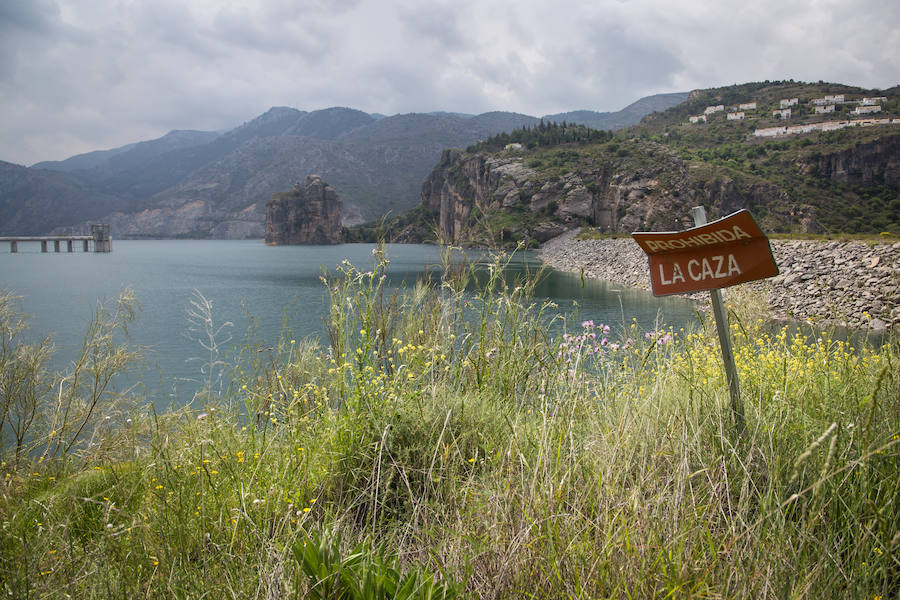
x,y
78,76
28,15
439,24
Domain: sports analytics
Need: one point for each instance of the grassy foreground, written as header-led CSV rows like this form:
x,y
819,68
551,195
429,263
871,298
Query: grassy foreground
x,y
447,444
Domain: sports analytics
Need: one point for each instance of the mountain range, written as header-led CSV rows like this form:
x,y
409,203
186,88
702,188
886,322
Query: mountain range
x,y
203,184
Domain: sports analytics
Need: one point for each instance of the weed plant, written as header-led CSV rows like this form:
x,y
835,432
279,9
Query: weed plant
x,y
444,443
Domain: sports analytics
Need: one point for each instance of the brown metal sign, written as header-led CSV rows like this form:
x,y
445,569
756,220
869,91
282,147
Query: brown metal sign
x,y
719,254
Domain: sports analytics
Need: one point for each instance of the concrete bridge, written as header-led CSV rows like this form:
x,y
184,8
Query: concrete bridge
x,y
99,238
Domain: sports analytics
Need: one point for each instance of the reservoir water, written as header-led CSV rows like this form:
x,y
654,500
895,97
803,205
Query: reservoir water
x,y
248,282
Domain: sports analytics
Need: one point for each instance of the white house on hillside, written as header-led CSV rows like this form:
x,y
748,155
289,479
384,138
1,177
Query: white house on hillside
x,y
782,114
837,99
820,110
864,110
714,109
738,116
787,102
747,106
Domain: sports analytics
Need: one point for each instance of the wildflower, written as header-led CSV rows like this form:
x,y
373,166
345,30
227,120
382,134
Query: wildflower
x,y
202,416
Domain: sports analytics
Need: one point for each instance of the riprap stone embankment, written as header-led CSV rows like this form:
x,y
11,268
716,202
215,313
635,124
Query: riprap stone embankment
x,y
841,282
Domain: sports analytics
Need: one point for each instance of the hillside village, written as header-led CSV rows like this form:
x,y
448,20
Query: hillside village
x,y
790,108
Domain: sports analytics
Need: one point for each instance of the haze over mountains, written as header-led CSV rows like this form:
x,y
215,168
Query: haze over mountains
x,y
215,185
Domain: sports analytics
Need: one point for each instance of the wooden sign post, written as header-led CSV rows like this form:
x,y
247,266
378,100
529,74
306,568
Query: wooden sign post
x,y
711,256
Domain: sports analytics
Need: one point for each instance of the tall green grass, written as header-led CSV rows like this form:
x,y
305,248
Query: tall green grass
x,y
445,440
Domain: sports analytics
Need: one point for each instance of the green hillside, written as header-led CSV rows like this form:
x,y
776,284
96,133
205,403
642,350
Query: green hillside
x,y
863,198
841,174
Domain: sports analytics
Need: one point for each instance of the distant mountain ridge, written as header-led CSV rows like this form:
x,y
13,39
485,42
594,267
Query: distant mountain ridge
x,y
630,115
215,185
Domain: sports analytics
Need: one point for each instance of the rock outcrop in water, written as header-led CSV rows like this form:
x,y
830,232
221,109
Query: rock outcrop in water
x,y
307,214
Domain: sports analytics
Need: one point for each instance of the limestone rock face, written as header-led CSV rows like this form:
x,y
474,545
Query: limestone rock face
x,y
644,187
307,214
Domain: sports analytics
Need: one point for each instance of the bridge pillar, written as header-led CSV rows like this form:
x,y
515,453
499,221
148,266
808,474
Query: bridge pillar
x,y
56,245
69,245
13,246
102,239
85,245
43,245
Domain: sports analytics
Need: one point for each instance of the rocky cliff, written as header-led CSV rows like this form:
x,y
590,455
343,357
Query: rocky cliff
x,y
483,197
639,184
873,163
307,214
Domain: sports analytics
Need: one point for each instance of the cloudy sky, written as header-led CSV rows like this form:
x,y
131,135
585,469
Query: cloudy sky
x,y
81,75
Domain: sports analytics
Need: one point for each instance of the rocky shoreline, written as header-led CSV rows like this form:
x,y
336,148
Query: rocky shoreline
x,y
847,283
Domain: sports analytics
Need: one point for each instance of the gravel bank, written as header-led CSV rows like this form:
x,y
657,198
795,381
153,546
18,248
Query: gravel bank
x,y
845,283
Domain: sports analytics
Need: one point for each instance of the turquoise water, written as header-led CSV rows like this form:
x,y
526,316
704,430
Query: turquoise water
x,y
247,280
